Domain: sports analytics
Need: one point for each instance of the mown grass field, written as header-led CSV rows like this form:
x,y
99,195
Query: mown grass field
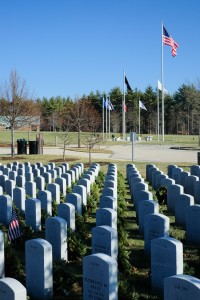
x,y
54,138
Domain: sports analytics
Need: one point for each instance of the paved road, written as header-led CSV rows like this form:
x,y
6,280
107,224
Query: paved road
x,y
141,152
153,153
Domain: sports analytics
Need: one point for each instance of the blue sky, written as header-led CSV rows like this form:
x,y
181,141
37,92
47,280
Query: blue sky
x,y
72,47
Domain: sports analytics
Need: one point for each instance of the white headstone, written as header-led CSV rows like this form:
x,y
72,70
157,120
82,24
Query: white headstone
x,y
81,190
155,226
67,212
76,200
2,256
54,188
100,277
193,224
190,184
183,287
56,235
146,207
197,192
105,240
173,191
45,198
12,289
181,203
39,269
19,197
106,216
33,213
166,260
108,202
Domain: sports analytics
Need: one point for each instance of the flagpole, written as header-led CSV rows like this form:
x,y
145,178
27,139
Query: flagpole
x,y
123,108
109,117
162,76
158,117
103,116
139,116
106,118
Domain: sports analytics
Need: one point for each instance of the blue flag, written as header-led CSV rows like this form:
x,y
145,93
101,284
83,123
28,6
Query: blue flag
x,y
108,104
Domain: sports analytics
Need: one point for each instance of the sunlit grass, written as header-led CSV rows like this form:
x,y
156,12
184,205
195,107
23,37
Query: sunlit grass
x,y
54,138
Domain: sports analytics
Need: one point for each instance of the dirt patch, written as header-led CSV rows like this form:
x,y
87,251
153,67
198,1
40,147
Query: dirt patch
x,y
186,148
4,145
101,163
61,160
13,158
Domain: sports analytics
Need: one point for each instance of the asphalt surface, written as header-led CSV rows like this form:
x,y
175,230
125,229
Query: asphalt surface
x,y
157,153
129,152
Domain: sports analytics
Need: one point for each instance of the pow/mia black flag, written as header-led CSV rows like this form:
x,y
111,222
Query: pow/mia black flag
x,y
128,85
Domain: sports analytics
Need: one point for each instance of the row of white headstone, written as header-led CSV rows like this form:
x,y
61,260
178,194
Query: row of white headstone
x,y
39,253
100,279
167,278
183,197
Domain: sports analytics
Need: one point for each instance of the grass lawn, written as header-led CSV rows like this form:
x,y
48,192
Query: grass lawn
x,y
54,138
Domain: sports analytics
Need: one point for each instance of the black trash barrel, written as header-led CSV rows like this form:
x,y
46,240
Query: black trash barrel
x,y
21,146
198,158
33,147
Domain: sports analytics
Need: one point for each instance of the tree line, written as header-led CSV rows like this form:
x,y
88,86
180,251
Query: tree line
x,y
85,113
181,111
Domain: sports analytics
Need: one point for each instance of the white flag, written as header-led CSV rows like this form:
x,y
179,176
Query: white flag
x,y
110,105
160,87
165,91
141,105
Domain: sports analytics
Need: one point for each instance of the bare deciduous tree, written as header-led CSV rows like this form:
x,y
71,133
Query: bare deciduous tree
x,y
90,141
115,120
16,107
83,118
92,125
65,121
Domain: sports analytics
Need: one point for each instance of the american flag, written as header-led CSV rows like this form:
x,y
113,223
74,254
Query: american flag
x,y
14,230
168,40
124,106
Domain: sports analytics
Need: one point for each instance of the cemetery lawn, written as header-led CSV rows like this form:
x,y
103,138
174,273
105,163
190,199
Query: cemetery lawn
x,y
134,265
55,138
